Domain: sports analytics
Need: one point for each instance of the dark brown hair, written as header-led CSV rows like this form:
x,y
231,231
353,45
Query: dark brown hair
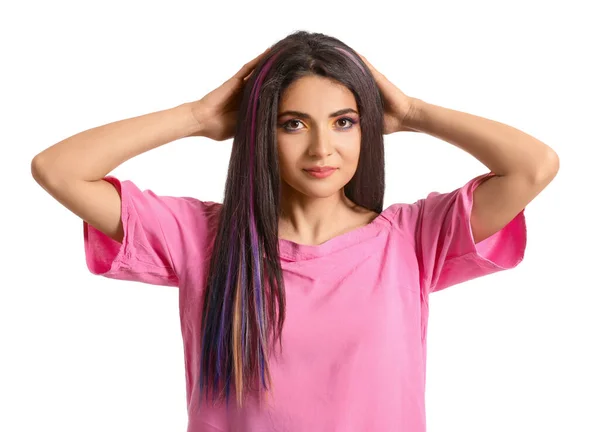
x,y
244,300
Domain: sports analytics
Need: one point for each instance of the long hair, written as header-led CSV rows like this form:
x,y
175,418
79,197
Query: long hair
x,y
244,300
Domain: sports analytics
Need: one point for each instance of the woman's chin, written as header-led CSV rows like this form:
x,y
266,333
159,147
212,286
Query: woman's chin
x,y
320,190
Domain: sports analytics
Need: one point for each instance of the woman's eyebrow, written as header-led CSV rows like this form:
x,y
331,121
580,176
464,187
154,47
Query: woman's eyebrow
x,y
307,116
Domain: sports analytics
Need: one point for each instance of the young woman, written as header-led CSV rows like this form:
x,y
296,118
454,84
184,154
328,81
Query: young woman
x,y
304,303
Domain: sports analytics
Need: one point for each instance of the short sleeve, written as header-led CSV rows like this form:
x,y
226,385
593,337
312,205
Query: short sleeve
x,y
162,237
446,251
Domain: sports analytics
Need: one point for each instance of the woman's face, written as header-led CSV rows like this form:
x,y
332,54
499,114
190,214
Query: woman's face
x,y
323,132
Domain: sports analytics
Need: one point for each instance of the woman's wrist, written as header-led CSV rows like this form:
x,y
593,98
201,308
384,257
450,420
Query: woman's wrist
x,y
192,119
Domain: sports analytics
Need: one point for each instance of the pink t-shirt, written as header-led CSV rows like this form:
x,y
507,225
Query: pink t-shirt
x,y
354,339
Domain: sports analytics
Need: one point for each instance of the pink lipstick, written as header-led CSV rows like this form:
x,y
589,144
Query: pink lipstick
x,y
320,172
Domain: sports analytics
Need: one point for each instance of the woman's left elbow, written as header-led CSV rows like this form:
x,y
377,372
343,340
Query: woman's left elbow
x,y
546,168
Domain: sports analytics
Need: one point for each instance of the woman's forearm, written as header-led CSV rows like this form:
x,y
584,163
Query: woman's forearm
x,y
502,148
92,154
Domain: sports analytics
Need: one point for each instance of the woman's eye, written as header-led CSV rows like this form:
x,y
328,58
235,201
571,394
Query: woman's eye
x,y
348,123
291,122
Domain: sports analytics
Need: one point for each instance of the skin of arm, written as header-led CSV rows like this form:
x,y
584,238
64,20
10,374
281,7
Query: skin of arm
x,y
523,165
72,170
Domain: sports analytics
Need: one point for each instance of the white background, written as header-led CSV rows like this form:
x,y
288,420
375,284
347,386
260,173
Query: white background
x,y
514,351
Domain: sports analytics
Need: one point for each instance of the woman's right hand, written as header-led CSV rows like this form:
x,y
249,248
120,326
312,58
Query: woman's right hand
x,y
217,112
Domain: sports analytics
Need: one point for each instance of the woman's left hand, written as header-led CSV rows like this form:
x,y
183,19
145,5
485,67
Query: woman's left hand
x,y
399,109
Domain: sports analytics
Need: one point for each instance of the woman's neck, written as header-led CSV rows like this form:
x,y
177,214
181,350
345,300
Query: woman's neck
x,y
313,221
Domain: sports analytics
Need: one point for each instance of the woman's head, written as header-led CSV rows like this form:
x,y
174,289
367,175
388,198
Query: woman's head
x,y
244,301
317,75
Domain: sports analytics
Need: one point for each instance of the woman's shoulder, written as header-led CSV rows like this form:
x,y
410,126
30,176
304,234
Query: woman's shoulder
x,y
399,213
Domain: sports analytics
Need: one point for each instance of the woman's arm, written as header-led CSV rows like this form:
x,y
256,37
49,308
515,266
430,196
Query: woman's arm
x,y
72,170
92,154
523,165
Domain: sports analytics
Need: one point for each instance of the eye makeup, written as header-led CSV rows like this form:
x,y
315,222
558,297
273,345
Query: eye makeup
x,y
349,120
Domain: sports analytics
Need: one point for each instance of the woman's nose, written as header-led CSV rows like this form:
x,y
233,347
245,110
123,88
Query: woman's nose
x,y
320,145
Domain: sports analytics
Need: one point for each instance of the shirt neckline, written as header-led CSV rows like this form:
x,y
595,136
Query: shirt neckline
x,y
292,251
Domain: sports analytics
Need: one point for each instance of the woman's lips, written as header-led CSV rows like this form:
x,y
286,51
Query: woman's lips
x,y
321,172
